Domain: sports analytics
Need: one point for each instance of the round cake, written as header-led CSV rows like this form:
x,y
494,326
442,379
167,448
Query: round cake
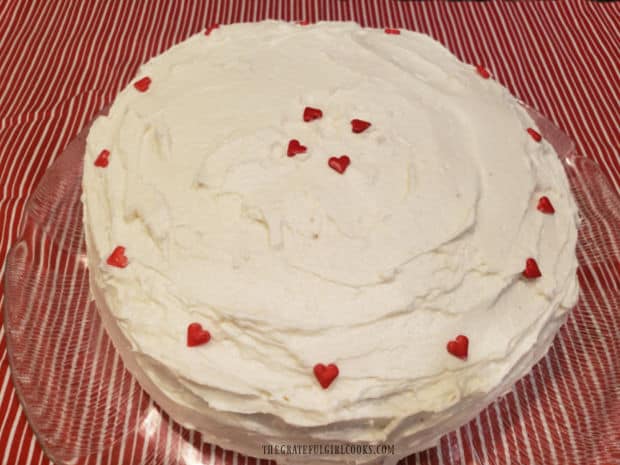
x,y
325,234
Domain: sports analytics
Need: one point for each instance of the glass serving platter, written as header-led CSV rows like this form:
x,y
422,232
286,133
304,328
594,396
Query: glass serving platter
x,y
85,407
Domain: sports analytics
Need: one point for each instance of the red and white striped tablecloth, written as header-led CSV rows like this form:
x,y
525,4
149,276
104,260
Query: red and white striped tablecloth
x,y
61,61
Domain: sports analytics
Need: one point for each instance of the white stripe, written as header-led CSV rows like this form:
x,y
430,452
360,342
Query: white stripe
x,y
120,47
544,83
577,101
47,312
610,231
147,438
106,429
69,304
545,422
602,312
33,442
107,419
595,221
533,92
129,72
230,12
212,457
43,47
529,406
522,423
135,432
399,9
586,354
550,393
495,406
18,413
440,459
18,39
89,388
452,441
28,374
38,160
168,440
4,392
216,15
452,26
504,402
11,439
600,294
595,102
83,284
131,401
483,443
243,8
3,12
576,412
604,44
610,23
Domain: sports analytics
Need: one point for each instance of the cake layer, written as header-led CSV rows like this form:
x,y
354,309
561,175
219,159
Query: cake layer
x,y
289,257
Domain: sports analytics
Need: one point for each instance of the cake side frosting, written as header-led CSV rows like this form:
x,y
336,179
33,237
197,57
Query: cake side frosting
x,y
288,262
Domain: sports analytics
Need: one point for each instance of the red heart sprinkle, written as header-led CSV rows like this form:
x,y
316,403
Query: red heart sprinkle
x,y
143,84
545,206
531,270
312,114
325,374
211,28
103,159
197,336
358,125
459,346
339,163
117,258
482,71
535,134
389,30
304,22
294,147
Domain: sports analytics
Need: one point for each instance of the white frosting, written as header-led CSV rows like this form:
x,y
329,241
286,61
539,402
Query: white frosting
x,y
288,263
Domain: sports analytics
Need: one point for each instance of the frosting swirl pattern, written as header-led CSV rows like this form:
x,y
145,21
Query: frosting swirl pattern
x,y
289,263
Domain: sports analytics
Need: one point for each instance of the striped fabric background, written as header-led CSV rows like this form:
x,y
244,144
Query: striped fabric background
x,y
61,61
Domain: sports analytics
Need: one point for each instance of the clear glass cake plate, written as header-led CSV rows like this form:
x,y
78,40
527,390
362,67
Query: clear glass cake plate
x,y
85,407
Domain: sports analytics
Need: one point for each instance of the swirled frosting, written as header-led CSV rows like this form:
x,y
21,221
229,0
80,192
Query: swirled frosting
x,y
289,263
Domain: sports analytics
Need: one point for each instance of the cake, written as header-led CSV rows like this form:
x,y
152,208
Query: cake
x,y
325,234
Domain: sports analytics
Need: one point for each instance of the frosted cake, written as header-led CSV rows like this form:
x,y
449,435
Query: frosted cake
x,y
325,234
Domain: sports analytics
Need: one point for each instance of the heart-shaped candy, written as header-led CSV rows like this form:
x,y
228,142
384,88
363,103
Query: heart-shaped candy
x,y
294,147
482,71
458,347
196,335
312,114
211,28
358,125
534,134
103,159
339,164
545,206
143,84
531,270
325,374
118,258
